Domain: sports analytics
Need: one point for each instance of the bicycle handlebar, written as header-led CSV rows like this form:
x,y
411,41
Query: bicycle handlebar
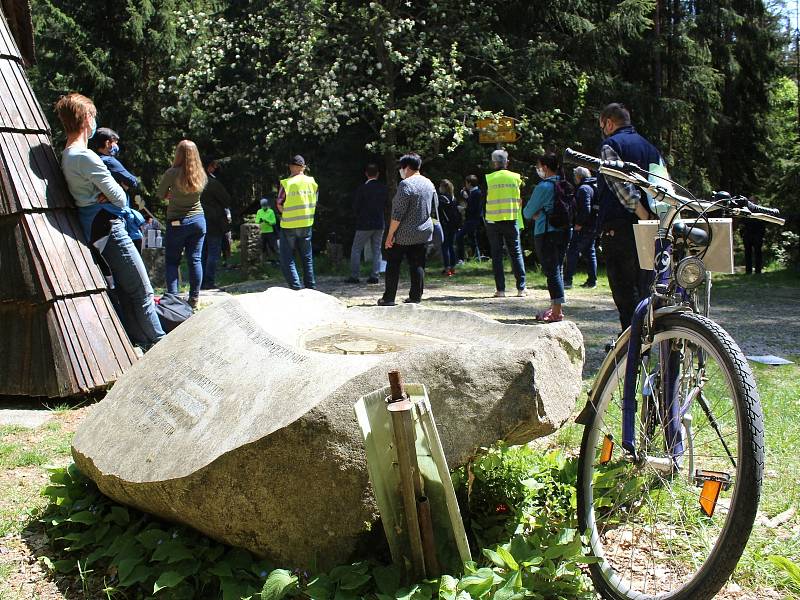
x,y
633,173
757,209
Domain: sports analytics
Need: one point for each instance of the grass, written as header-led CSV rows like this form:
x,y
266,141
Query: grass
x,y
779,388
28,451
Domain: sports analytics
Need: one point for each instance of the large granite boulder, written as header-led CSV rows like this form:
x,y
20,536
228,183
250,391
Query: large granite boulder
x,y
240,423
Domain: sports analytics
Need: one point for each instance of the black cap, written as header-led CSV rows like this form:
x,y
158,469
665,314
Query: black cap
x,y
298,160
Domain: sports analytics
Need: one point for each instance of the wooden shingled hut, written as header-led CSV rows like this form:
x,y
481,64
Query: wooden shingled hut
x,y
59,333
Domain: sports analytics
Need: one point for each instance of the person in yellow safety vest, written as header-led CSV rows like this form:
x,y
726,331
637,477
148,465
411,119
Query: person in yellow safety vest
x,y
267,221
503,208
297,202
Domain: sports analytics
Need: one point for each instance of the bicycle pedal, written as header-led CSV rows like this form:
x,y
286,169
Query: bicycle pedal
x,y
607,450
712,483
701,476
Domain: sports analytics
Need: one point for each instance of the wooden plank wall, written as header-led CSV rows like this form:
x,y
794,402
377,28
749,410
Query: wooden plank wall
x,y
59,333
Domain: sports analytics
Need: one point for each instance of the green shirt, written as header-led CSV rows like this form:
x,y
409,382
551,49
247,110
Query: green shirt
x,y
181,204
266,218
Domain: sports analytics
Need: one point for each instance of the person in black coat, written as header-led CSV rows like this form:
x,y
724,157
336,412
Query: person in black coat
x,y
450,219
369,205
216,203
584,232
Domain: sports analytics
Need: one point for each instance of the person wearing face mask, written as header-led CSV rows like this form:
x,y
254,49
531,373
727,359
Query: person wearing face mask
x,y
102,208
549,242
503,206
621,205
410,230
105,142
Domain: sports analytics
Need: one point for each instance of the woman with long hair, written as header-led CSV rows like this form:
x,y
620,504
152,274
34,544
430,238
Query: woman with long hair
x,y
103,211
181,185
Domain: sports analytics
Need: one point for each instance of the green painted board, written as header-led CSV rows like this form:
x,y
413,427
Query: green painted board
x,y
376,427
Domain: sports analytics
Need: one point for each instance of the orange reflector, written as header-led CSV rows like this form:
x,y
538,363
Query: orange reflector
x,y
607,449
709,495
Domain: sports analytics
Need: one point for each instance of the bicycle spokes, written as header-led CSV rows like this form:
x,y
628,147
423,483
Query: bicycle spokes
x,y
657,513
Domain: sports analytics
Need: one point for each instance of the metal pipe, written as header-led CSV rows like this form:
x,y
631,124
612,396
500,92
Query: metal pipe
x,y
428,537
402,424
396,385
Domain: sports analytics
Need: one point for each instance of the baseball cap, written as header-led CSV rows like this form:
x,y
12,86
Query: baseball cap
x,y
500,156
298,160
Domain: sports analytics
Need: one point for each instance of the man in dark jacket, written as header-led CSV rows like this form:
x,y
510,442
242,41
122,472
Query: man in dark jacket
x,y
473,217
584,231
621,205
369,205
216,203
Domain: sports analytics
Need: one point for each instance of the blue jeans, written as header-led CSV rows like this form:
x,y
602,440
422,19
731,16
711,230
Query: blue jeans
x,y
448,250
373,237
551,248
300,238
471,229
581,244
132,289
212,248
189,236
500,233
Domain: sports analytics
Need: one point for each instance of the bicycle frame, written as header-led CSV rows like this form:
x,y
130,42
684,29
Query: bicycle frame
x,y
645,313
672,412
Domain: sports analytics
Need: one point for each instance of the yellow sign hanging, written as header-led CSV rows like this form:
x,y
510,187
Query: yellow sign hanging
x,y
492,131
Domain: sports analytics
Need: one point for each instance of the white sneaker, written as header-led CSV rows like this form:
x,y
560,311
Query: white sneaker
x,y
499,294
522,293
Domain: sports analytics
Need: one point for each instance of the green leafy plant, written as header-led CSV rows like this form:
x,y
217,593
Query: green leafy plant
x,y
130,549
792,569
535,550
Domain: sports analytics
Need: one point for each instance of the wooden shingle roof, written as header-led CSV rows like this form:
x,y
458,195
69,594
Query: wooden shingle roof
x,y
59,333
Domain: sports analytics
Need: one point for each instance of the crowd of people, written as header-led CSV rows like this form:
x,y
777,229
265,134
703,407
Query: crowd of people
x,y
423,214
420,215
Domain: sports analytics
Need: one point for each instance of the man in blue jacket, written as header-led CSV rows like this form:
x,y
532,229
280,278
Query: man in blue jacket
x,y
584,231
621,205
105,142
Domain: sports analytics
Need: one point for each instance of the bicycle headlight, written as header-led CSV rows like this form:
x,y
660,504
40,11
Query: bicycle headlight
x,y
691,273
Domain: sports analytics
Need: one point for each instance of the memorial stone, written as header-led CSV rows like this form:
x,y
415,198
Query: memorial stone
x,y
250,246
240,423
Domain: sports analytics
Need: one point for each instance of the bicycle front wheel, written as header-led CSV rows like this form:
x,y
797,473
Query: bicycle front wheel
x,y
672,521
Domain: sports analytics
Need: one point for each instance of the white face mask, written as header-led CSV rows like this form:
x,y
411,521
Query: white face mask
x,y
402,173
540,172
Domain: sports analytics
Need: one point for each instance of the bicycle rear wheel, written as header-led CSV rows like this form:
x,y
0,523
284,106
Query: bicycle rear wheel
x,y
653,536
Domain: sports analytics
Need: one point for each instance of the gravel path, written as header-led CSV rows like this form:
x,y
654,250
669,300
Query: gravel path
x,y
762,320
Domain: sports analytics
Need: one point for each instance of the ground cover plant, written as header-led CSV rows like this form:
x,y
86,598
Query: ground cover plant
x,y
521,507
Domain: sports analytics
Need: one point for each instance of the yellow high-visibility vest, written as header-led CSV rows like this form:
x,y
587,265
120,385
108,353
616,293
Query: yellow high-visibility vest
x,y
502,196
300,203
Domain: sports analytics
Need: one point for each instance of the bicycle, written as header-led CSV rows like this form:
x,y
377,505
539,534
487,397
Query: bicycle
x,y
668,510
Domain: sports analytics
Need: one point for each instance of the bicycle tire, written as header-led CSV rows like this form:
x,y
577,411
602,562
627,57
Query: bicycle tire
x,y
727,531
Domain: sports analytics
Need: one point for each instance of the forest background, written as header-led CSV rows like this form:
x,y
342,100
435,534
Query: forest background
x,y
713,83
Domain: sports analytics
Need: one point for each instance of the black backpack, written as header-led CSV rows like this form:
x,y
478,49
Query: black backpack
x,y
172,311
449,213
563,212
